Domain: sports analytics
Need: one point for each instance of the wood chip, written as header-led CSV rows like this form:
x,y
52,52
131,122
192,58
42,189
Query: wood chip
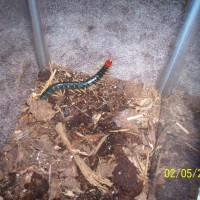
x,y
96,118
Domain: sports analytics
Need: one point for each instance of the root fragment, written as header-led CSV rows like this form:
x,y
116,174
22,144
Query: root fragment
x,y
92,177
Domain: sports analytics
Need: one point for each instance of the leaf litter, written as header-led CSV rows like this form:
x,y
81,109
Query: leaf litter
x,y
82,144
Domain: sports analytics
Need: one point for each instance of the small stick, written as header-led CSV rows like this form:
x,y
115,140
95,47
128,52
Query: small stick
x,y
192,147
135,117
104,101
129,101
91,176
49,174
94,151
181,127
22,135
147,163
49,81
119,130
79,134
82,111
64,106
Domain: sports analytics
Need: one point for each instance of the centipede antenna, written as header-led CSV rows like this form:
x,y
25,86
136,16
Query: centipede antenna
x,y
111,57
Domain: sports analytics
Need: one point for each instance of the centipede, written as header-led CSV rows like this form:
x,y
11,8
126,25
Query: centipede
x,y
77,85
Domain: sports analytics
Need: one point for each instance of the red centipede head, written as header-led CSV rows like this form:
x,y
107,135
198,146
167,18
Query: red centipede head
x,y
108,62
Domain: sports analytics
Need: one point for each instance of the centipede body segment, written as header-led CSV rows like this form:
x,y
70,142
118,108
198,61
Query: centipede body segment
x,y
77,85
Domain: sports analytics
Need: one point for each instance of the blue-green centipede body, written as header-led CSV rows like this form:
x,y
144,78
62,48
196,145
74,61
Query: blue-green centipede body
x,y
76,85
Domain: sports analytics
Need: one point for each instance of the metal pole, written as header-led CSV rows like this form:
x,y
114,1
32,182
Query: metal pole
x,y
41,51
169,76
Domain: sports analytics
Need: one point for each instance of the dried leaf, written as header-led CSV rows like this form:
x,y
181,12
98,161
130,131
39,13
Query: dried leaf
x,y
106,169
41,110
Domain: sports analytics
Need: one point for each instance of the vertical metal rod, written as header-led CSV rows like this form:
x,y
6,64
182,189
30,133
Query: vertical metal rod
x,y
169,76
41,51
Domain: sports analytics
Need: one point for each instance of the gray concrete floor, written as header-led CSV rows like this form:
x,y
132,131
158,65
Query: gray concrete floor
x,y
18,66
78,35
140,33
189,77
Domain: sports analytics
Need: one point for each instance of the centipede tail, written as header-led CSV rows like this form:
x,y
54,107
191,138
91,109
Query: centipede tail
x,y
76,85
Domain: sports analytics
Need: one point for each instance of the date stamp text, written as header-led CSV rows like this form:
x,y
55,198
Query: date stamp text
x,y
188,173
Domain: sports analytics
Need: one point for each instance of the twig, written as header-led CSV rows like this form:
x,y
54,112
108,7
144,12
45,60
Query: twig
x,y
119,130
95,150
192,147
49,81
147,163
81,111
135,117
181,127
22,135
79,134
92,177
104,101
49,174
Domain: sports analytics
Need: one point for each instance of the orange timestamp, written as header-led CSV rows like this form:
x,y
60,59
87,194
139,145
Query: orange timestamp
x,y
184,173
